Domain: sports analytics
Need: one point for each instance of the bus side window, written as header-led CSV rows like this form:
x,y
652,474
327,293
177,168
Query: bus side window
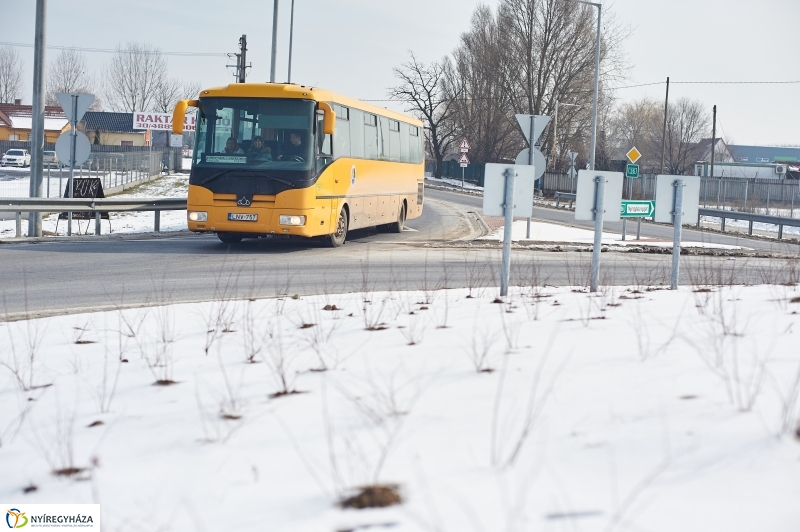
x,y
405,153
357,133
341,137
370,136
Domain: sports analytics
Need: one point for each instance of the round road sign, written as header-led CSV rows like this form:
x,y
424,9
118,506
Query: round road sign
x,y
82,148
538,161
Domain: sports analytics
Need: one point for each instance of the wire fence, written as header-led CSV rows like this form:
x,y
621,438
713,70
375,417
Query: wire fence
x,y
775,197
115,170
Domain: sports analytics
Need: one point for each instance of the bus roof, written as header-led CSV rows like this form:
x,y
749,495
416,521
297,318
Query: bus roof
x,y
291,90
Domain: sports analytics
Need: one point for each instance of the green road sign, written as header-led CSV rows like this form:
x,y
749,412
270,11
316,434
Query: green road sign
x,y
632,170
637,209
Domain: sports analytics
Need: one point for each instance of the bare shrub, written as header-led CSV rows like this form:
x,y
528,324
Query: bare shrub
x,y
318,337
476,274
157,350
281,361
480,347
507,447
414,331
736,359
641,330
252,333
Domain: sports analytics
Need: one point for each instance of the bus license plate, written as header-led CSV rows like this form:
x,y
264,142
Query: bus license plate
x,y
236,217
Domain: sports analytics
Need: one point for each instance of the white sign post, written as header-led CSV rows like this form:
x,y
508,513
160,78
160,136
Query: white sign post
x,y
503,184
72,145
677,200
598,197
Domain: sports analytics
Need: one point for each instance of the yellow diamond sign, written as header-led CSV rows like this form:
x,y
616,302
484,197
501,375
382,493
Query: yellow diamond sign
x,y
633,155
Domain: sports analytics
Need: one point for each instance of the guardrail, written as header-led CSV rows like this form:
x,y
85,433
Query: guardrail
x,y
565,195
780,221
97,206
761,218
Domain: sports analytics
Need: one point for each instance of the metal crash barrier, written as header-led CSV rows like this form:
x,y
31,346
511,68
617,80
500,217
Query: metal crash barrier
x,y
96,206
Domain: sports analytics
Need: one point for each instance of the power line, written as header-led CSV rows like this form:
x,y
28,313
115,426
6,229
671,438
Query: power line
x,y
114,50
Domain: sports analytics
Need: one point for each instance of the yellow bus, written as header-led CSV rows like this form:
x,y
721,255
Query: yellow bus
x,y
283,159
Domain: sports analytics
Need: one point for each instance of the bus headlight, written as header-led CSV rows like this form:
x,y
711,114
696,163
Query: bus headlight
x,y
286,219
196,216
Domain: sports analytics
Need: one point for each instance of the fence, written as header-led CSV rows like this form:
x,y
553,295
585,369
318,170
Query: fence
x,y
117,172
744,195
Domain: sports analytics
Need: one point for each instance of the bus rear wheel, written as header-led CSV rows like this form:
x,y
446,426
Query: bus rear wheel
x,y
230,238
337,239
397,227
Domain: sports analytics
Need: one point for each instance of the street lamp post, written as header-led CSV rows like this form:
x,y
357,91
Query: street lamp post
x,y
596,80
274,42
291,38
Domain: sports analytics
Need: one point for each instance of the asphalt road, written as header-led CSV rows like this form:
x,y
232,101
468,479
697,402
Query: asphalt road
x,y
93,273
649,230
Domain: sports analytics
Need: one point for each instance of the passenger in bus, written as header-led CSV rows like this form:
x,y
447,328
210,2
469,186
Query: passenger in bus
x,y
259,151
231,146
296,149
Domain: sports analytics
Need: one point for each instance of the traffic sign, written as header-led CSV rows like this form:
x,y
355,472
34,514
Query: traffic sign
x,y
538,160
632,171
539,124
83,101
63,148
637,209
464,146
463,160
633,155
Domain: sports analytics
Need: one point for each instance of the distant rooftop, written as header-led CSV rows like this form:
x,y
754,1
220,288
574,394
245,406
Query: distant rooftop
x,y
764,154
109,122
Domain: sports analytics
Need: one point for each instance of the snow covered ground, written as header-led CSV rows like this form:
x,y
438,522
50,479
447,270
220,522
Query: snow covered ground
x,y
554,410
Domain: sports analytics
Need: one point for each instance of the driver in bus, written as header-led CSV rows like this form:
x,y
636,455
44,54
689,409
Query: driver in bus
x,y
295,150
231,146
259,151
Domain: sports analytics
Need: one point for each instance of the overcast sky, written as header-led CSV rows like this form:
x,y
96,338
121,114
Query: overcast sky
x,y
350,46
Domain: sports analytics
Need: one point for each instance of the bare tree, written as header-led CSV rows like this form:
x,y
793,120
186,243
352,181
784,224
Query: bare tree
x,y
423,89
10,75
133,77
638,123
482,111
687,124
550,56
171,90
69,73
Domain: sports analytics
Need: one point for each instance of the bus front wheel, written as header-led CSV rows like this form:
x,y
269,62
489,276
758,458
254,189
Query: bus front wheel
x,y
230,238
337,239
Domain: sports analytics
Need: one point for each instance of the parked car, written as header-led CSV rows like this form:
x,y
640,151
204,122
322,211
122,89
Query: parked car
x,y
49,158
21,158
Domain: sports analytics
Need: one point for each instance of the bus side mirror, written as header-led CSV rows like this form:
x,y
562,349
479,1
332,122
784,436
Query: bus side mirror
x,y
179,114
329,121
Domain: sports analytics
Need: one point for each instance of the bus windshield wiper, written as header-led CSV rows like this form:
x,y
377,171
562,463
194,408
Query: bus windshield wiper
x,y
212,177
283,181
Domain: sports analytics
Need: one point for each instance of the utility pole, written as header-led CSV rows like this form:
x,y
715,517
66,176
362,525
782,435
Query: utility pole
x,y
713,141
664,131
242,58
37,123
274,42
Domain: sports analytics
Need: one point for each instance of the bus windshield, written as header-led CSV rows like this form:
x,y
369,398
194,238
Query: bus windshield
x,y
255,133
